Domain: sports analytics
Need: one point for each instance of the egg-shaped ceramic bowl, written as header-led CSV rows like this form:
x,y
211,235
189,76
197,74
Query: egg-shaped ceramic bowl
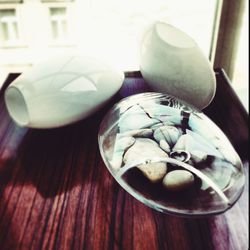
x,y
170,156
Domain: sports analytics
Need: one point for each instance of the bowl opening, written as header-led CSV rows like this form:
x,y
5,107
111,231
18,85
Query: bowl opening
x,y
17,106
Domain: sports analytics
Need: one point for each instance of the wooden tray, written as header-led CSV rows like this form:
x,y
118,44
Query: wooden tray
x,y
56,193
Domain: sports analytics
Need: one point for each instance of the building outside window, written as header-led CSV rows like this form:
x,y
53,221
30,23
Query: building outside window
x,y
9,34
59,29
112,30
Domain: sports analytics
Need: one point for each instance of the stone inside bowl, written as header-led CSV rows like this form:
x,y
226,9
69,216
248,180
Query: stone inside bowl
x,y
170,156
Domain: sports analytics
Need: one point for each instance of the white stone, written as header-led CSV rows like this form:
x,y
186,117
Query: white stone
x,y
153,171
178,180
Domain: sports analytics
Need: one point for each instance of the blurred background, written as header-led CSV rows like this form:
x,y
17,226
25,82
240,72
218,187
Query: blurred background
x,y
31,30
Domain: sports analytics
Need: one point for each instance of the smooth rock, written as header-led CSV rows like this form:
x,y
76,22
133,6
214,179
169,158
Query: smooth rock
x,y
153,171
168,133
178,180
146,149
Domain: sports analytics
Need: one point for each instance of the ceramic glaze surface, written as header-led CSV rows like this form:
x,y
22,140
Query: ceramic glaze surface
x,y
170,156
172,63
61,90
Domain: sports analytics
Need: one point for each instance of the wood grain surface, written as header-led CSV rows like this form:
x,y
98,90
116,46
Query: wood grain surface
x,y
56,193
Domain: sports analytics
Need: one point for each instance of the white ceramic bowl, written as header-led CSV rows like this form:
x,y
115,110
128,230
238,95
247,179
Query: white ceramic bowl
x,y
61,90
172,63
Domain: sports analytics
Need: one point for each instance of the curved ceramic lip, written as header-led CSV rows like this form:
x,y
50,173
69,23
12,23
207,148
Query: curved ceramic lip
x,y
25,107
195,46
154,205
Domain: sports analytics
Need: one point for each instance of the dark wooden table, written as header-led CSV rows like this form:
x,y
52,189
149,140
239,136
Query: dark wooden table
x,y
56,193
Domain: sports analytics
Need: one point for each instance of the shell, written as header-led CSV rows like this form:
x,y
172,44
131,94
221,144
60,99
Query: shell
x,y
180,155
168,133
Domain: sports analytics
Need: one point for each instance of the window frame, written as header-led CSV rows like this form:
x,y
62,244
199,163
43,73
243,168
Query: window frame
x,y
58,20
16,42
226,39
62,4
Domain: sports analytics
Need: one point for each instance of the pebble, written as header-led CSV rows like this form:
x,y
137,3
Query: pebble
x,y
153,171
178,180
146,149
169,133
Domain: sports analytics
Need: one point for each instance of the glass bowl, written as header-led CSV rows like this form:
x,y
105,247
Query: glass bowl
x,y
170,156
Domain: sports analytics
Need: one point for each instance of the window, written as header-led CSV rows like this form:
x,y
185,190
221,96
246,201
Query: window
x,y
8,27
112,29
240,80
59,29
